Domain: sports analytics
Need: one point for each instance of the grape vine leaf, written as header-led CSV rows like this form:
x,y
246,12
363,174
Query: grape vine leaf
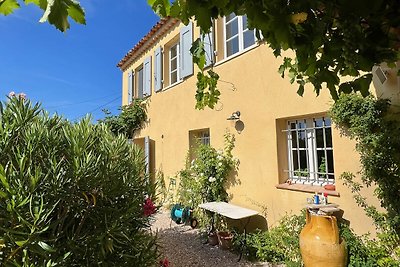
x,y
8,6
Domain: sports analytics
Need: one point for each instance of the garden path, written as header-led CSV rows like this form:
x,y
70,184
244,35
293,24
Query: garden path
x,y
184,247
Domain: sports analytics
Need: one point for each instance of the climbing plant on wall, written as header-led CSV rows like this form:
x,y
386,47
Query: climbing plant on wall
x,y
375,127
131,118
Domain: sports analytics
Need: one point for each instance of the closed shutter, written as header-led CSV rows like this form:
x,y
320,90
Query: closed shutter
x,y
147,77
186,60
147,154
209,47
158,69
130,87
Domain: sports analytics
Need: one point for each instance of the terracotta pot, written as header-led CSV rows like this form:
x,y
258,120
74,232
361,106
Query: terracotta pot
x,y
320,244
213,239
225,239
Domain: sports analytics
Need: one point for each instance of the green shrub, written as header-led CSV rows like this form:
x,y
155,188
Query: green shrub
x,y
70,194
205,178
374,125
131,118
366,251
376,130
279,244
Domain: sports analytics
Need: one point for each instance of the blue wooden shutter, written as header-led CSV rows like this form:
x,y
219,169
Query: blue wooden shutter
x,y
130,87
185,43
158,69
147,77
209,47
147,153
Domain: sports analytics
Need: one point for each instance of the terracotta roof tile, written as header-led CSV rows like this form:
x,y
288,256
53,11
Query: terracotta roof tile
x,y
150,36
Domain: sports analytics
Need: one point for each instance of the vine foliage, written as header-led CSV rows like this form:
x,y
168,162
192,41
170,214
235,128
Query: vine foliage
x,y
330,39
374,126
131,118
205,178
377,133
207,93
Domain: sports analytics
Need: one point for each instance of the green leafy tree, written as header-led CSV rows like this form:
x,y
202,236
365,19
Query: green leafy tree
x,y
70,194
56,12
330,39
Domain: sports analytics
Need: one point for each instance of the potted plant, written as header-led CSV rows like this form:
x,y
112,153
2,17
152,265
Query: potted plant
x,y
225,239
213,238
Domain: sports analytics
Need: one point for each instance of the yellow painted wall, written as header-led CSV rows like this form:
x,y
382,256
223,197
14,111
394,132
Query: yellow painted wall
x,y
251,84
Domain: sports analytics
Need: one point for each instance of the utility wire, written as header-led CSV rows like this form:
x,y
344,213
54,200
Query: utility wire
x,y
83,102
99,107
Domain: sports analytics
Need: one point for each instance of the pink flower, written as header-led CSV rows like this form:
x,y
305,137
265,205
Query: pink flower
x,y
22,96
164,263
11,94
148,207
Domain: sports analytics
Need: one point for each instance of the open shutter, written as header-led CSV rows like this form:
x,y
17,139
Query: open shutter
x,y
147,77
130,87
186,60
147,153
158,69
209,47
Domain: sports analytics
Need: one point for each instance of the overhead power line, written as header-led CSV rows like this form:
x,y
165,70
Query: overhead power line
x,y
82,102
99,107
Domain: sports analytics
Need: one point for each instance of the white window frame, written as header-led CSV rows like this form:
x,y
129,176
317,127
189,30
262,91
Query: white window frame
x,y
177,57
312,176
204,137
240,35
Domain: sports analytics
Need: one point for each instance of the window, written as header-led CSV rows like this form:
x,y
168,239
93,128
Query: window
x,y
203,137
140,83
196,138
174,64
310,151
237,35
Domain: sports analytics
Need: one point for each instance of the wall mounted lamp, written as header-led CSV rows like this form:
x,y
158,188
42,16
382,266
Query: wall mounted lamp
x,y
235,116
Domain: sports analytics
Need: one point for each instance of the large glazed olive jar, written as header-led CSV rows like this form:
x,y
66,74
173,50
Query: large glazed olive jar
x,y
320,244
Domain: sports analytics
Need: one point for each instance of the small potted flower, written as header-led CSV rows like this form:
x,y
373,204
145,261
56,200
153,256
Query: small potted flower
x,y
225,239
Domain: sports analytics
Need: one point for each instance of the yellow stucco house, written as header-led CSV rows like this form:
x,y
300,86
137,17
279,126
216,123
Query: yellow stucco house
x,y
282,139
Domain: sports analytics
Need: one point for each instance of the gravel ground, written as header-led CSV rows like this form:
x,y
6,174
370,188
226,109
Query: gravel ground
x,y
185,248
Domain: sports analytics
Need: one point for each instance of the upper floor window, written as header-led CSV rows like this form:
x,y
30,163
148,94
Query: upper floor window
x,y
174,64
310,151
139,81
237,35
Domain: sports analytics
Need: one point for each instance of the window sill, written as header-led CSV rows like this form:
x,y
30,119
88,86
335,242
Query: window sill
x,y
170,86
307,189
257,44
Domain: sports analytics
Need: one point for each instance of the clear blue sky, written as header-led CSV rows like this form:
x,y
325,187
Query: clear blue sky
x,y
71,73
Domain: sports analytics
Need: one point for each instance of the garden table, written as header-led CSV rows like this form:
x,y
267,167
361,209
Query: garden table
x,y
230,211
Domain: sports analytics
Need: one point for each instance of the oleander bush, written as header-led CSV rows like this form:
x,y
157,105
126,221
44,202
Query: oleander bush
x,y
71,194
